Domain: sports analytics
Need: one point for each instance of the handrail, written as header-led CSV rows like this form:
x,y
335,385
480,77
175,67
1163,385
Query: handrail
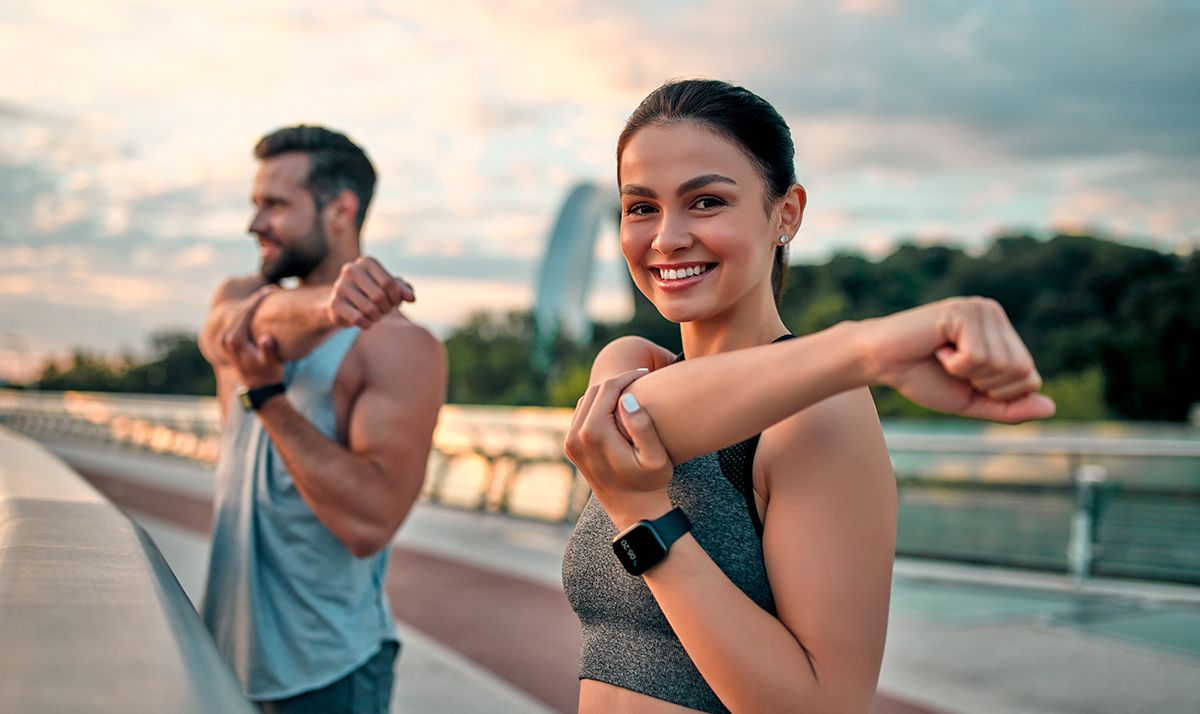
x,y
93,618
1043,445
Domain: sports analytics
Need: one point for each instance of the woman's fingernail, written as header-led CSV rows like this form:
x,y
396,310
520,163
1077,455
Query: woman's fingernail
x,y
642,369
629,403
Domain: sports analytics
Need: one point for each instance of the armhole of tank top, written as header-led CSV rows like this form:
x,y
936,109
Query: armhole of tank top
x,y
748,479
737,466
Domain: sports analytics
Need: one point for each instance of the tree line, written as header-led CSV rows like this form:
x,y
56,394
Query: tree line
x,y
1114,328
175,366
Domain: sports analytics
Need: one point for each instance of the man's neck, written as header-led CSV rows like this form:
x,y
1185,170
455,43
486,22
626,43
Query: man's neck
x,y
327,271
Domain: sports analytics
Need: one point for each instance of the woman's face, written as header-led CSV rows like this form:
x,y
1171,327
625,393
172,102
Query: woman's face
x,y
694,230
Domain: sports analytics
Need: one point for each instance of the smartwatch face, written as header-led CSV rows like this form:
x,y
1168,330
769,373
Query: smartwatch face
x,y
639,548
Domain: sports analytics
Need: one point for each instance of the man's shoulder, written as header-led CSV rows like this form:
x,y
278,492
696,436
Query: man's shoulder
x,y
399,358
237,287
395,339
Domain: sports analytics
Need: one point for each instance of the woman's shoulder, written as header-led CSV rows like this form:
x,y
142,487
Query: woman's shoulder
x,y
841,432
851,412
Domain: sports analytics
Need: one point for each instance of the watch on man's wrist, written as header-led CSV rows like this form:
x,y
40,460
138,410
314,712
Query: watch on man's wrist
x,y
254,398
644,544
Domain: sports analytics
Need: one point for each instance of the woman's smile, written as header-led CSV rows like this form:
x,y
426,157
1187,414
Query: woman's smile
x,y
680,276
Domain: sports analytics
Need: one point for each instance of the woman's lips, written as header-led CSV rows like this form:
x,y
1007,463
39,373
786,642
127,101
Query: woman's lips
x,y
685,275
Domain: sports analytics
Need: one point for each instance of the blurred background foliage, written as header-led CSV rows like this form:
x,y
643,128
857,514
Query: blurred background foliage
x,y
1114,328
175,366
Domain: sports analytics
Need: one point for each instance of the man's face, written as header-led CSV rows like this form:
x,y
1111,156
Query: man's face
x,y
290,236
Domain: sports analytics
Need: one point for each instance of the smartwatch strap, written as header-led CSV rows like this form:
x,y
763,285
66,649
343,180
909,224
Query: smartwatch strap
x,y
254,398
671,526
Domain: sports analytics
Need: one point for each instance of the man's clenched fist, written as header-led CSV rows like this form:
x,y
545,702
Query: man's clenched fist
x,y
364,292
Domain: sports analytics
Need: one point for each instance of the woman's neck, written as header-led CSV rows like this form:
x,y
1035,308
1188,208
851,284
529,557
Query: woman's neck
x,y
752,322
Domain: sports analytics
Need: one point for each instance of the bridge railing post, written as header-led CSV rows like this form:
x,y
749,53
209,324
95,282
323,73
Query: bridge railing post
x,y
1081,548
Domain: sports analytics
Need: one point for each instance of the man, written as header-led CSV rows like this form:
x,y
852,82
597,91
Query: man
x,y
328,398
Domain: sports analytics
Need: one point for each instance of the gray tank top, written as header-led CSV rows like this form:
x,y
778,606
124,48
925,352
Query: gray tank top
x,y
289,607
627,640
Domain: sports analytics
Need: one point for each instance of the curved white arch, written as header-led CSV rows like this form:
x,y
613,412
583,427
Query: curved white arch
x,y
566,273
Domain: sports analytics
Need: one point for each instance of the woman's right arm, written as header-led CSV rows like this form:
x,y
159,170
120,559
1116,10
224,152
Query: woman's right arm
x,y
959,356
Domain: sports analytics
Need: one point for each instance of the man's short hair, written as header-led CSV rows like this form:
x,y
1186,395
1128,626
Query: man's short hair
x,y
336,163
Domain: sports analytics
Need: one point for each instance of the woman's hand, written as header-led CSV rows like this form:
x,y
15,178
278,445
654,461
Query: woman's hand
x,y
618,451
959,356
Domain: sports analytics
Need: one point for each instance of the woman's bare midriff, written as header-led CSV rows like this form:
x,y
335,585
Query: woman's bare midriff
x,y
603,698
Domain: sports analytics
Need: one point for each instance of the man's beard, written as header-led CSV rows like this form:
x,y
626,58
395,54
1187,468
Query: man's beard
x,y
298,260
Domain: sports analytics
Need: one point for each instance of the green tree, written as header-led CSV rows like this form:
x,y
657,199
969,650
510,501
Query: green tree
x,y
1150,362
1079,396
85,371
490,361
569,385
175,367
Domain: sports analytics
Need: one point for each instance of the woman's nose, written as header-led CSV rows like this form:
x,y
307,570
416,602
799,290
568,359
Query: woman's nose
x,y
672,235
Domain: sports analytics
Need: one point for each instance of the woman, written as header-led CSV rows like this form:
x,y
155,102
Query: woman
x,y
753,577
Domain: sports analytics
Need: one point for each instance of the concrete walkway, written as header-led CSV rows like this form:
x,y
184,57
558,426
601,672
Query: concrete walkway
x,y
486,629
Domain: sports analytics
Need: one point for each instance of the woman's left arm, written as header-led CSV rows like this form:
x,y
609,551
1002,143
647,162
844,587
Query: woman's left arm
x,y
828,544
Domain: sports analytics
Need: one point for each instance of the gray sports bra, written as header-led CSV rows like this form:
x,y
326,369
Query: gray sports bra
x,y
627,641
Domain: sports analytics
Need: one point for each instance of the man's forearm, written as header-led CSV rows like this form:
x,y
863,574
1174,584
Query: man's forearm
x,y
345,491
711,402
296,318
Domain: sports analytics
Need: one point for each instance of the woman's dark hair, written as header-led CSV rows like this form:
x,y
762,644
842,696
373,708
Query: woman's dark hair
x,y
336,163
737,114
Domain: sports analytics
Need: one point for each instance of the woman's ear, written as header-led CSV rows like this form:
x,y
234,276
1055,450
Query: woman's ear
x,y
791,210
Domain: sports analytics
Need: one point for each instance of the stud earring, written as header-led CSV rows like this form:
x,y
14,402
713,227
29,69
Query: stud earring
x,y
783,239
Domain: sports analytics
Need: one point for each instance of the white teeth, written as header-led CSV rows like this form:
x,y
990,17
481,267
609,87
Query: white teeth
x,y
680,273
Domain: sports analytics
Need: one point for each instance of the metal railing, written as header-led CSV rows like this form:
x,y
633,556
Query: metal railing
x,y
1124,505
1114,499
496,459
93,618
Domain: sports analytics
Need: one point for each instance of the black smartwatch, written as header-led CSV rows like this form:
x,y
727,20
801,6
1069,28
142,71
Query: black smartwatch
x,y
252,399
644,544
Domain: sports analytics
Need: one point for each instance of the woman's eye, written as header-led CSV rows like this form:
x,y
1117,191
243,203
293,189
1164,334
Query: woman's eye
x,y
707,203
639,209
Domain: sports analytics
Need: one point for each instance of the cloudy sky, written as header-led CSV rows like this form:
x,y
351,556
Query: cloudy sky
x,y
126,129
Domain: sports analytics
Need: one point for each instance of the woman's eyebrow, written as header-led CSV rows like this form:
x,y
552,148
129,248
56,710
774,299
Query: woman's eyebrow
x,y
633,189
701,181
